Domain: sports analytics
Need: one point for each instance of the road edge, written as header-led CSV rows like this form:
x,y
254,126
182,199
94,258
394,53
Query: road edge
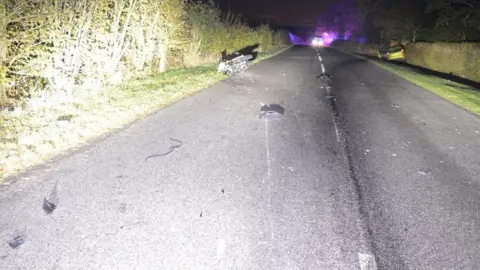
x,y
7,177
407,80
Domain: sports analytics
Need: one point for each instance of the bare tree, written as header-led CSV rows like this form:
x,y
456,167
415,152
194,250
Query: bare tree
x,y
453,11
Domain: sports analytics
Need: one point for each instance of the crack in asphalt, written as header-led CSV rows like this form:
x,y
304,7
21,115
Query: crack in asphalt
x,y
170,150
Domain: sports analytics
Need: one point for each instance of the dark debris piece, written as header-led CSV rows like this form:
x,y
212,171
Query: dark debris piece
x,y
48,207
122,208
223,190
326,79
50,203
325,76
271,111
16,242
201,214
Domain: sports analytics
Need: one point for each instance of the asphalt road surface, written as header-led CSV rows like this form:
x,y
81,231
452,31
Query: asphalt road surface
x,y
363,171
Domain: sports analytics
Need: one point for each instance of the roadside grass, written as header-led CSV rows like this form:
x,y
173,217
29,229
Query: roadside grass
x,y
464,96
30,137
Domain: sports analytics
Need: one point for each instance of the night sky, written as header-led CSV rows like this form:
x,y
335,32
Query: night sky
x,y
292,13
301,17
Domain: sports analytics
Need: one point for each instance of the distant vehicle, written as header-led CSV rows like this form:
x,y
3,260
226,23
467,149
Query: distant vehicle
x,y
317,41
391,53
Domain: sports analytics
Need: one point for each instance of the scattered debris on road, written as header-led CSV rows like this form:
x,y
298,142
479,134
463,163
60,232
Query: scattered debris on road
x,y
16,242
425,172
395,106
48,206
19,239
51,203
271,112
325,77
122,208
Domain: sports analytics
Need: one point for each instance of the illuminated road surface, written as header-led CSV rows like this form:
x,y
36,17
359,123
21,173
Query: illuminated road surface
x,y
362,171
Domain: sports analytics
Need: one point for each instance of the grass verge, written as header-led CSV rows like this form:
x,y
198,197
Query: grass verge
x,y
30,137
465,96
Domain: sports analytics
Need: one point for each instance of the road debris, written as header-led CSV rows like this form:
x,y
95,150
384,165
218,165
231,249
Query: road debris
x,y
325,77
425,172
234,65
19,238
50,203
271,112
122,208
16,242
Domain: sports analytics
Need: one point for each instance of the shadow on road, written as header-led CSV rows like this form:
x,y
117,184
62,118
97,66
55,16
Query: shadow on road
x,y
469,83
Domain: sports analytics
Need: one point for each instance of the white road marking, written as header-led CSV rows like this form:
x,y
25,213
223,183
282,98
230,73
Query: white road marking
x,y
268,148
327,89
221,247
335,125
337,131
269,173
367,261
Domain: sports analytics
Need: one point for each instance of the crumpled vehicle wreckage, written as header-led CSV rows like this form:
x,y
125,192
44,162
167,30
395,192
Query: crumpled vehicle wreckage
x,y
234,63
